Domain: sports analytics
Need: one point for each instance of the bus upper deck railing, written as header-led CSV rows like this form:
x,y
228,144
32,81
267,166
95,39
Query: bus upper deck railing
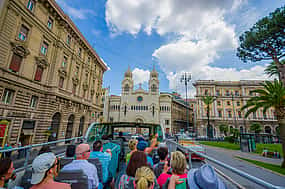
x,y
172,146
28,149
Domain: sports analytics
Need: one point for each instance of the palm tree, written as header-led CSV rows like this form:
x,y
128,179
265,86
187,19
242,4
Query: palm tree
x,y
255,127
208,100
272,69
272,95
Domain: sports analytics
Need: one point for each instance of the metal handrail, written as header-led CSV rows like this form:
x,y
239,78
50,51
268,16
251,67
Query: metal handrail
x,y
29,147
237,171
41,144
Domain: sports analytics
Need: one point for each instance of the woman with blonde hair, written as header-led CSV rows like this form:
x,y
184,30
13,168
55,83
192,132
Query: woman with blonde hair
x,y
178,165
145,179
133,147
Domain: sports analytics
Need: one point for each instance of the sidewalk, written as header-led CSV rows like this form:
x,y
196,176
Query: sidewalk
x,y
249,155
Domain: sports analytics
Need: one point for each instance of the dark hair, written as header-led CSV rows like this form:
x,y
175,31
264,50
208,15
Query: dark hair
x,y
44,149
138,160
5,164
120,133
70,150
97,145
162,152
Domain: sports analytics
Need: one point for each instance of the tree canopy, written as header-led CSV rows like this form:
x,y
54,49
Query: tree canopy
x,y
265,40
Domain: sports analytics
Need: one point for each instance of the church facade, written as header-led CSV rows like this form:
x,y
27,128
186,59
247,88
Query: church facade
x,y
148,106
144,106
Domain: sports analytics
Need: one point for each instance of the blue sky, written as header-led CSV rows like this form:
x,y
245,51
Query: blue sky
x,y
195,36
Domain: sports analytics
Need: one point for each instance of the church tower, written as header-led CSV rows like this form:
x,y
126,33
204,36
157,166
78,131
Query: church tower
x,y
127,83
153,83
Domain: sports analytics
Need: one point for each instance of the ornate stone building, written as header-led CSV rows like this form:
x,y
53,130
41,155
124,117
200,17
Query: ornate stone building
x,y
230,97
50,76
146,106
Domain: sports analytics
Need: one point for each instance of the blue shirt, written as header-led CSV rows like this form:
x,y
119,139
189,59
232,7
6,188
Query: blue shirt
x,y
149,161
105,159
89,169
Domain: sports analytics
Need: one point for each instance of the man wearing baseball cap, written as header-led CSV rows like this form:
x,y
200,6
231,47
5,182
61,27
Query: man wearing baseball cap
x,y
82,154
44,170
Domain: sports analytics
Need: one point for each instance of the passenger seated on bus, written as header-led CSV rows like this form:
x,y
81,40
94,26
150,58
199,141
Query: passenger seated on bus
x,y
6,172
103,157
145,179
70,151
138,160
178,164
82,154
141,146
203,178
44,170
133,147
163,155
121,136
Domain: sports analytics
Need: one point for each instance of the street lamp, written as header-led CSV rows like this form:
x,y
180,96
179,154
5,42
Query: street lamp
x,y
186,77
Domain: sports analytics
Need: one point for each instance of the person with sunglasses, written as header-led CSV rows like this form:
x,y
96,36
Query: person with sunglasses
x,y
44,169
80,163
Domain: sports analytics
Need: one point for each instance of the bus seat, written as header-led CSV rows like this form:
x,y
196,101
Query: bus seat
x,y
64,161
26,179
98,165
76,178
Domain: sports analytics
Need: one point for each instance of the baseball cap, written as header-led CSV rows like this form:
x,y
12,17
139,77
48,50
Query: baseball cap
x,y
40,165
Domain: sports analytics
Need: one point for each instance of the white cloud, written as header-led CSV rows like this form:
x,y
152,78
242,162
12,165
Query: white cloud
x,y
201,34
140,76
76,13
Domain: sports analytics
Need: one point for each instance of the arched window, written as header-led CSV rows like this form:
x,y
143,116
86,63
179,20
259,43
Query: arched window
x,y
81,125
55,123
153,88
267,129
127,88
69,127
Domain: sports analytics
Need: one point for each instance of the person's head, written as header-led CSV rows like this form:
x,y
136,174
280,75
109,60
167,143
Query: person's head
x,y
98,146
44,149
120,133
137,160
70,150
141,146
162,152
44,167
82,151
132,144
6,169
203,178
178,162
144,178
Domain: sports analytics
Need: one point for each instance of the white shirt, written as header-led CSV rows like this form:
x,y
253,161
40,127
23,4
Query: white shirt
x,y
89,169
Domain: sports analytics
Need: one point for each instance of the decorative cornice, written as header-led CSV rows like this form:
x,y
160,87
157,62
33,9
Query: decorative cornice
x,y
20,48
42,61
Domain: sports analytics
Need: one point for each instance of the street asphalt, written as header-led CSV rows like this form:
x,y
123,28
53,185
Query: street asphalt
x,y
228,157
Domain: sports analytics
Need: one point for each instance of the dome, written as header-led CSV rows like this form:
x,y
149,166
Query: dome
x,y
128,73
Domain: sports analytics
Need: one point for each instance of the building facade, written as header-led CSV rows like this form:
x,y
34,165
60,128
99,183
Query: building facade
x,y
230,97
50,76
146,106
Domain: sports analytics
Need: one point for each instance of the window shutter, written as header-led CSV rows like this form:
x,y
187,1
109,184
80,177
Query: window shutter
x,y
39,72
15,63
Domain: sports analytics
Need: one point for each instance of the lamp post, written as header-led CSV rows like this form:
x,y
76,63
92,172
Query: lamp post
x,y
186,77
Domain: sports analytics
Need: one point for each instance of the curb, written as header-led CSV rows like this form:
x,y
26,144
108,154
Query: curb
x,y
238,158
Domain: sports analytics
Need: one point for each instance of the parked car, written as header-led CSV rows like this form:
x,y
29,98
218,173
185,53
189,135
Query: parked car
x,y
195,146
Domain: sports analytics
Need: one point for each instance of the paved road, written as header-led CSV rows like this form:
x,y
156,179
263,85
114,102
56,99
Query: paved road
x,y
228,158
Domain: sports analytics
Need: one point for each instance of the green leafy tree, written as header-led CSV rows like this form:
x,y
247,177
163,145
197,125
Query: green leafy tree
x,y
224,129
255,127
272,95
208,100
235,133
272,70
265,40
